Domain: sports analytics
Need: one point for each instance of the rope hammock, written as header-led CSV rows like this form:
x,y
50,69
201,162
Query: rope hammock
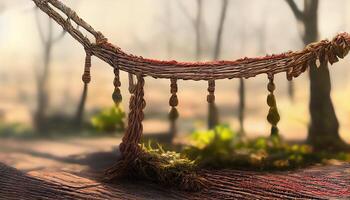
x,y
291,63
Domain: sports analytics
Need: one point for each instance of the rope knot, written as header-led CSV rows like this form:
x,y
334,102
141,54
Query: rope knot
x,y
116,96
86,75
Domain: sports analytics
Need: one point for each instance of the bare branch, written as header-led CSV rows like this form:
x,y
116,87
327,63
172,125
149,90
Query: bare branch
x,y
198,29
296,11
40,28
186,13
59,37
220,29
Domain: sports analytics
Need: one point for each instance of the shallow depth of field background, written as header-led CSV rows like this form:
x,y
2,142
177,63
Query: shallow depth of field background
x,y
161,29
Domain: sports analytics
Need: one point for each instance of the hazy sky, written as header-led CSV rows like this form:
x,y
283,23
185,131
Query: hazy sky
x,y
140,26
143,27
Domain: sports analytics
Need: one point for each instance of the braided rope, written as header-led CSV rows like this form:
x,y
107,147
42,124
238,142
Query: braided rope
x,y
134,130
213,112
116,96
86,75
291,63
173,102
131,83
273,116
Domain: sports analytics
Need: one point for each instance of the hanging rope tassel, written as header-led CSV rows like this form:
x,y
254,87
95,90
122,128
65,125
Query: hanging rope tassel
x,y
131,83
116,96
130,148
213,113
132,137
173,102
273,117
86,77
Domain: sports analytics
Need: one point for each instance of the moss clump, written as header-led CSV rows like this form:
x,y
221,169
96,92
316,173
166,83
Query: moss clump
x,y
168,168
223,148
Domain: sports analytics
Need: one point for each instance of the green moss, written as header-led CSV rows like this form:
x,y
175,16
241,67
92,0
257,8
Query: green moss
x,y
168,168
222,148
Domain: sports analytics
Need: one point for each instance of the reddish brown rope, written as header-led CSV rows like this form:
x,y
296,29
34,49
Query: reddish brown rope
x,y
273,117
213,112
87,76
293,63
116,96
130,147
173,102
133,134
131,83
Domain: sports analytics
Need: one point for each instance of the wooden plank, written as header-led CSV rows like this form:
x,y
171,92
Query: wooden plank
x,y
320,182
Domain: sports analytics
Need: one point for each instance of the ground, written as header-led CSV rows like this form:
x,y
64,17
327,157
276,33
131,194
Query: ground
x,y
70,169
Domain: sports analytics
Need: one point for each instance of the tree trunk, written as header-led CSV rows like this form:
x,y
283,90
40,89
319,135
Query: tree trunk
x,y
213,114
43,91
198,25
241,106
80,111
291,92
324,127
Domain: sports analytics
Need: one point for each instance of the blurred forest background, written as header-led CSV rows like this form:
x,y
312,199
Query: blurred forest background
x,y
41,67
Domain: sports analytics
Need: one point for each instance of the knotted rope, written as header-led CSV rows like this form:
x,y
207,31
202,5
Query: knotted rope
x,y
291,63
130,148
86,75
173,102
213,113
116,96
273,117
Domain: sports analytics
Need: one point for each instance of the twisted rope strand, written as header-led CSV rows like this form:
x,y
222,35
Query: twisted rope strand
x,y
173,102
291,63
273,116
133,134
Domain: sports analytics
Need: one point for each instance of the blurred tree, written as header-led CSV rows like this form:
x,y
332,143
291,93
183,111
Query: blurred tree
x,y
169,26
79,114
197,24
43,74
241,87
220,30
324,126
213,118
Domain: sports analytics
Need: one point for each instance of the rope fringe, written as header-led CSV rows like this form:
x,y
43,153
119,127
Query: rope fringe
x,y
86,75
273,116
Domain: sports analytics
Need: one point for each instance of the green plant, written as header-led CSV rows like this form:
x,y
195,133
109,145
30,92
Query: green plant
x,y
212,148
223,148
15,130
109,120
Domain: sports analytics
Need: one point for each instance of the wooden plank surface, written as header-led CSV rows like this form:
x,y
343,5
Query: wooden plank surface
x,y
319,182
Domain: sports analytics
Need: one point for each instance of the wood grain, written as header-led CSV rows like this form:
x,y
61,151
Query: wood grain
x,y
319,182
